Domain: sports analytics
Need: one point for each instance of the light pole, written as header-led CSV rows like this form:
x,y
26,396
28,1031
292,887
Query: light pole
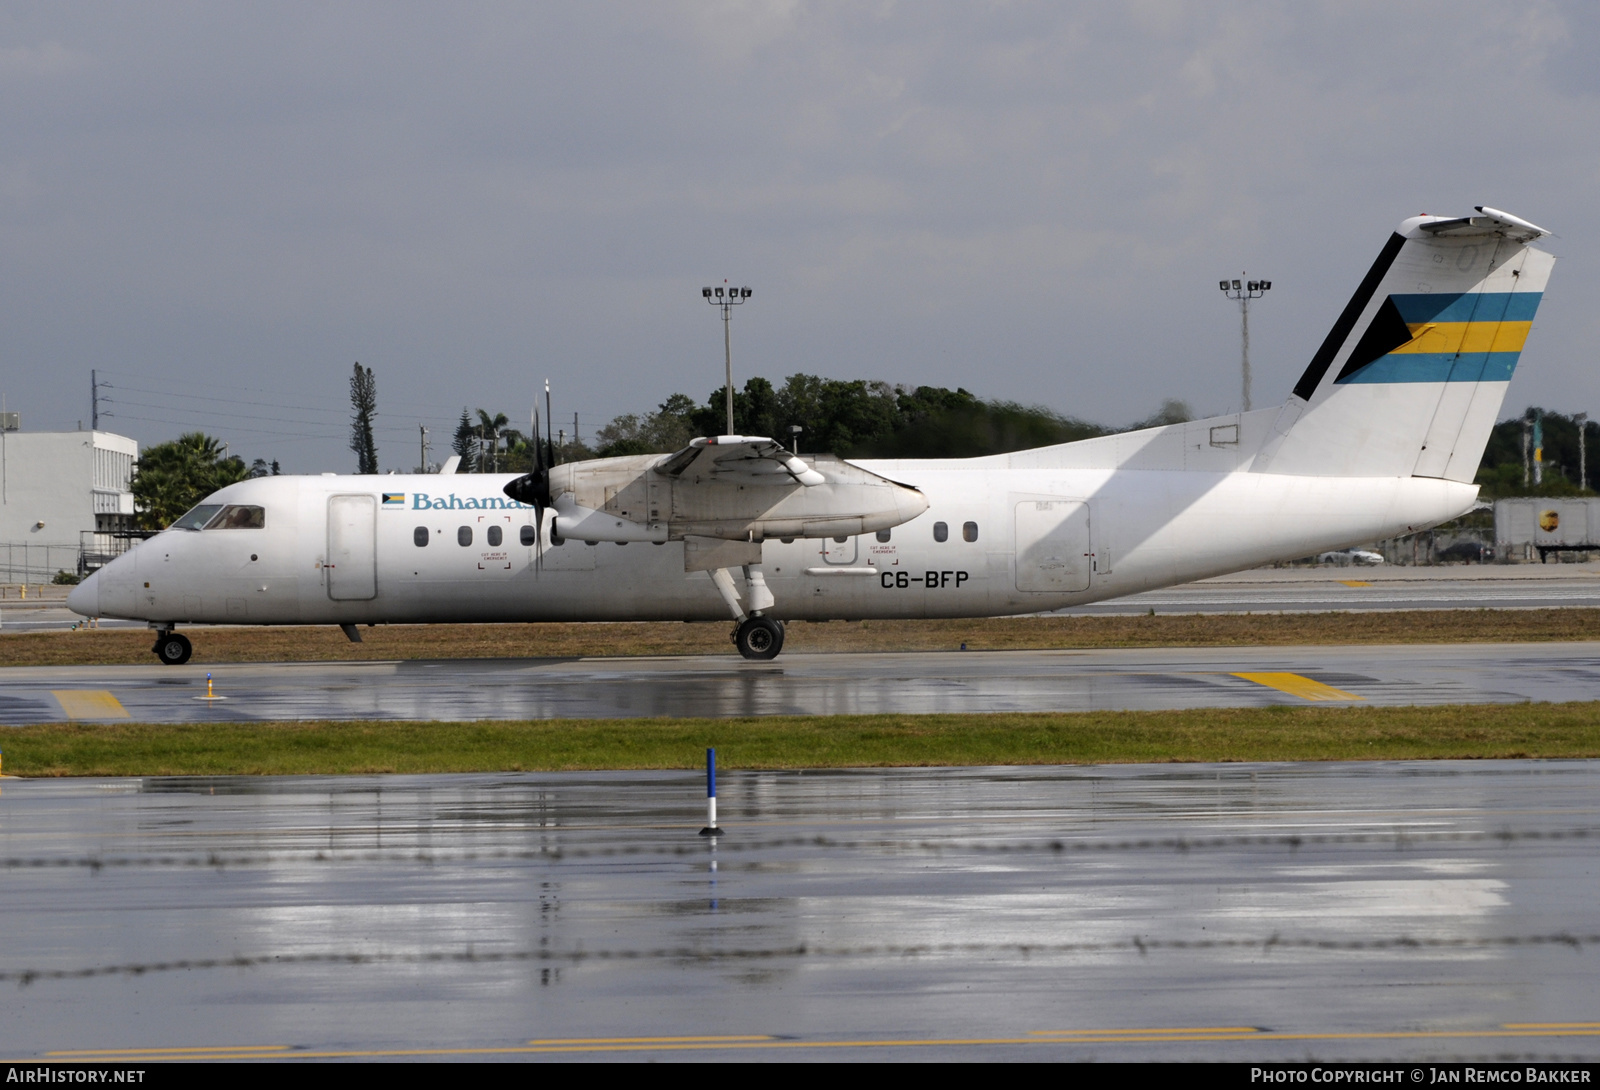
x,y
727,299
1582,420
1527,426
1538,448
1244,291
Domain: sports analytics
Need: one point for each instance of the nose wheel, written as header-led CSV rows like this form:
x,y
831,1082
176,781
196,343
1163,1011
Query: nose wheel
x,y
173,649
759,638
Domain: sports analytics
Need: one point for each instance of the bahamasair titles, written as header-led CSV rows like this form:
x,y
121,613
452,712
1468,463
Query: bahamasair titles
x,y
1381,436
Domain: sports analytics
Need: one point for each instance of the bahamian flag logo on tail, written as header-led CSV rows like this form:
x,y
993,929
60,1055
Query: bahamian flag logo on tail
x,y
394,499
1464,337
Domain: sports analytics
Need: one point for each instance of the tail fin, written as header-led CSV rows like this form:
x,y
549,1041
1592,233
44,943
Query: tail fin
x,y
1411,377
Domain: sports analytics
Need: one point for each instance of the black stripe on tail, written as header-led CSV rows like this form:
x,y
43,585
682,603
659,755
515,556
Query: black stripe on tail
x,y
1341,329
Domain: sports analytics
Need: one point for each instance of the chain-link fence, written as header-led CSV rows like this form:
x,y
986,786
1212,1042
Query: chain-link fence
x,y
25,563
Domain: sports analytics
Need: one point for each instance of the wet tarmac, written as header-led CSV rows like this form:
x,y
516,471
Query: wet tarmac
x,y
1177,912
816,684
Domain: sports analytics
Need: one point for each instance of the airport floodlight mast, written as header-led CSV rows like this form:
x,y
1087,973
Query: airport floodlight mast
x,y
727,299
1244,291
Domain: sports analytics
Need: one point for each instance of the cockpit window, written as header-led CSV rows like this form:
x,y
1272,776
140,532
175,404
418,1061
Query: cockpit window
x,y
237,516
216,516
198,517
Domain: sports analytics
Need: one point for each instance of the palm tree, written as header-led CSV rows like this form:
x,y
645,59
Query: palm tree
x,y
489,430
172,477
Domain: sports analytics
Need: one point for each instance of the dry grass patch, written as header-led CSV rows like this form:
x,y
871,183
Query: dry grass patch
x,y
327,643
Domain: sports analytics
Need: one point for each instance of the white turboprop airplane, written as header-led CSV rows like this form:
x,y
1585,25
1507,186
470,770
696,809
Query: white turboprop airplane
x,y
1381,436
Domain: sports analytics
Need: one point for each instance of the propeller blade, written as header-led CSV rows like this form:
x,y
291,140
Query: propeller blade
x,y
549,429
534,488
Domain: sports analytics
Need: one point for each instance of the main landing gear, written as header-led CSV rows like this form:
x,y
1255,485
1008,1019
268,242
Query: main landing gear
x,y
759,637
171,648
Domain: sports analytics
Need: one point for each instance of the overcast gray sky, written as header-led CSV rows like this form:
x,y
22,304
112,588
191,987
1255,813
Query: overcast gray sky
x,y
223,206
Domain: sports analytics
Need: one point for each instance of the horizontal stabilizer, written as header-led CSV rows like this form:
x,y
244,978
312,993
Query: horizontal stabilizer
x,y
1488,221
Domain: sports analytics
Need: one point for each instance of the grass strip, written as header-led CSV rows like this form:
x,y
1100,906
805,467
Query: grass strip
x,y
99,647
845,741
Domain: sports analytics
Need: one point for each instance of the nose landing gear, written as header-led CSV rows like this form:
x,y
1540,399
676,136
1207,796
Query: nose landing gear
x,y
759,637
172,649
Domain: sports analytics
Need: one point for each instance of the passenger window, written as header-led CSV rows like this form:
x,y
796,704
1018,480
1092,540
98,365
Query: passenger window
x,y
464,535
527,535
239,517
494,536
883,535
420,536
840,540
969,531
941,531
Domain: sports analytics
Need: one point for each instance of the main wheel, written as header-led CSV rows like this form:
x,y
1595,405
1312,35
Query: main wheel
x,y
173,649
759,638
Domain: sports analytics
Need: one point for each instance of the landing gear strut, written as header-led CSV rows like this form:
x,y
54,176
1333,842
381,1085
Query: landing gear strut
x,y
759,637
172,649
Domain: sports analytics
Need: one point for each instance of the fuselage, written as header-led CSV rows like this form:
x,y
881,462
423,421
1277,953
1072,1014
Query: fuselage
x,y
994,541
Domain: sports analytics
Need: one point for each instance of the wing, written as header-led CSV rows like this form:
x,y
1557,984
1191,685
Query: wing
x,y
739,457
734,487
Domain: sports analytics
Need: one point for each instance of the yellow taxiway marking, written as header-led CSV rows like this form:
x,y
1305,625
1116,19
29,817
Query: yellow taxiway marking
x,y
649,1040
1216,1034
1295,685
89,704
1553,1025
1178,1029
1355,583
175,1049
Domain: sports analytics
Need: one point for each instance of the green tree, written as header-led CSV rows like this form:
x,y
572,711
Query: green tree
x,y
364,402
172,477
935,422
1501,472
860,419
465,441
490,429
667,429
838,416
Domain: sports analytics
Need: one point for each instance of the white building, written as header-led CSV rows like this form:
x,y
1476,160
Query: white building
x,y
61,492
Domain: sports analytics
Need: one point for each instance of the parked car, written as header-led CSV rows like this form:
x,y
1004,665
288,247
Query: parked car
x,y
1350,556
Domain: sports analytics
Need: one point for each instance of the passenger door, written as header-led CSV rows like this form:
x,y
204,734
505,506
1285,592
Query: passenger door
x,y
1053,552
352,564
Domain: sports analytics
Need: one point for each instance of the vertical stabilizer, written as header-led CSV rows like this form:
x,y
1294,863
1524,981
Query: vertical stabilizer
x,y
1411,378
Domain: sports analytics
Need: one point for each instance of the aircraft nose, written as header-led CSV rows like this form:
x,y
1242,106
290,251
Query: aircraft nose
x,y
85,597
